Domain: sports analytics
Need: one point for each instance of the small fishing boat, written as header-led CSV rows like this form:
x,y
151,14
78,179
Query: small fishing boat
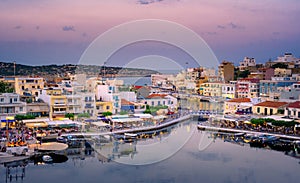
x,y
47,159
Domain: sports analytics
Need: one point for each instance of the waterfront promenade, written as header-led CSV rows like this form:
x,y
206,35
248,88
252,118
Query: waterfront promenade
x,y
133,130
221,129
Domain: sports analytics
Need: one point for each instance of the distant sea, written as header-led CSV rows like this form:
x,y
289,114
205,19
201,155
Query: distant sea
x,y
140,81
143,80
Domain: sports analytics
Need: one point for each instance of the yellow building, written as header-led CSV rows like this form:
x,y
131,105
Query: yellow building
x,y
56,100
268,107
31,86
213,89
102,106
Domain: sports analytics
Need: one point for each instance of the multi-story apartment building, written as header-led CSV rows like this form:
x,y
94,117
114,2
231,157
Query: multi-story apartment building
x,y
102,106
74,104
226,71
229,90
38,109
211,89
56,100
109,93
10,105
88,103
32,86
271,89
247,88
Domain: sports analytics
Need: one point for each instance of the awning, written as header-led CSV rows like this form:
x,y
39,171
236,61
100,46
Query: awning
x,y
127,120
100,124
143,115
36,124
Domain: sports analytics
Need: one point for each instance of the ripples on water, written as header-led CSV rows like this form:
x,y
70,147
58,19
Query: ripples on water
x,y
219,162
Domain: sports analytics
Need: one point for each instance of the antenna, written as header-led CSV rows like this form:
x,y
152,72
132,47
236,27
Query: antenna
x,y
14,68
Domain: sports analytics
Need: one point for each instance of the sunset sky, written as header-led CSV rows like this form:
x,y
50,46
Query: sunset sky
x,y
39,32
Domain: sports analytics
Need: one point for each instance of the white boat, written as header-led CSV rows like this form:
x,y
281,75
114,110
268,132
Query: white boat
x,y
130,135
47,158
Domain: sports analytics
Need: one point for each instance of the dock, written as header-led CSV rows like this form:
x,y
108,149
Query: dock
x,y
49,146
231,130
7,158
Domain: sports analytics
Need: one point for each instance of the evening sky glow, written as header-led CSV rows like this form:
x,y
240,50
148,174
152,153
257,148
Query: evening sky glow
x,y
39,32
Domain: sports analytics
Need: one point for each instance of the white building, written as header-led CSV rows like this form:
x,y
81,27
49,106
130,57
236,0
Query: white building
x,y
160,100
10,105
109,94
287,57
129,96
293,110
247,62
228,90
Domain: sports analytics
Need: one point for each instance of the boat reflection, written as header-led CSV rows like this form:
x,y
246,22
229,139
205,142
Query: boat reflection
x,y
289,147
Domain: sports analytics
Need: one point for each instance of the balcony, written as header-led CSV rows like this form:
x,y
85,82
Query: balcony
x,y
59,104
59,112
89,107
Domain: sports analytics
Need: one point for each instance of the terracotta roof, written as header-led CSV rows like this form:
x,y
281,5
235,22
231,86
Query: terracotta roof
x,y
157,95
240,100
271,104
294,105
137,87
126,102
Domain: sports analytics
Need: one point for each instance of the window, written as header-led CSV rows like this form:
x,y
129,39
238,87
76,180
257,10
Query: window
x,y
21,109
158,103
15,99
152,103
107,107
271,111
258,110
2,100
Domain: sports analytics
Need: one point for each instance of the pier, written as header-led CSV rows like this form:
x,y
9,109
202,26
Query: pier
x,y
231,130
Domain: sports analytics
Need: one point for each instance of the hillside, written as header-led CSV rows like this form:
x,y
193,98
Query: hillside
x,y
7,69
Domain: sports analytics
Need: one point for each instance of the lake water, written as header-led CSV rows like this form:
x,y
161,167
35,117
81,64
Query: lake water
x,y
182,154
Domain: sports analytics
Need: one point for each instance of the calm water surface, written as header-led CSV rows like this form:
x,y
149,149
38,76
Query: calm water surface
x,y
219,162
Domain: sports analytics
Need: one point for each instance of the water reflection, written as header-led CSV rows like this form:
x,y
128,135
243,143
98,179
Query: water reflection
x,y
221,161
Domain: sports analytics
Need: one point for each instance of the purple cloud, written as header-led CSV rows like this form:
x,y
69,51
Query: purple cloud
x,y
68,28
18,27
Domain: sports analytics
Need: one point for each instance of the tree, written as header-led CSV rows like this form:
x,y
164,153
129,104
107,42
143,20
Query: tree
x,y
280,65
147,111
70,116
123,112
4,88
243,74
107,113
84,115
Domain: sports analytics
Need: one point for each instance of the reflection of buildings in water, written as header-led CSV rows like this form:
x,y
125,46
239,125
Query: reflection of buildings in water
x,y
79,155
115,149
15,171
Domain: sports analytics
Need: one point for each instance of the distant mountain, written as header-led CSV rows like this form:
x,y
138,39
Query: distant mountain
x,y
7,69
